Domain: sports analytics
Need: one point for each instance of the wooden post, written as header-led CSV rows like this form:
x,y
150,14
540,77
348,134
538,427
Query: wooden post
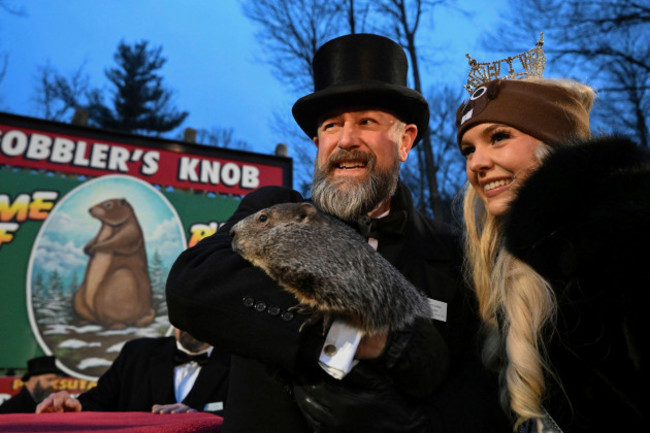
x,y
80,117
189,135
281,149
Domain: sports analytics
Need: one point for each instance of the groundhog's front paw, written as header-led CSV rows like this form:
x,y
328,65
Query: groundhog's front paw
x,y
311,320
315,316
304,309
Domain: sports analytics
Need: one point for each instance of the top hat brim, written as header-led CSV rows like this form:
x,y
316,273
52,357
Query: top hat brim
x,y
40,371
405,103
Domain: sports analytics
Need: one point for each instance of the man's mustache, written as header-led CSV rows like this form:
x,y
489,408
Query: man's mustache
x,y
344,156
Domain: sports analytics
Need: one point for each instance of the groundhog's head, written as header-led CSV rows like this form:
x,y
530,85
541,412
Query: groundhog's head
x,y
250,235
114,211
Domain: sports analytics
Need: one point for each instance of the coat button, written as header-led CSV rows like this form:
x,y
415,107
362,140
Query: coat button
x,y
260,306
287,316
248,302
329,350
273,310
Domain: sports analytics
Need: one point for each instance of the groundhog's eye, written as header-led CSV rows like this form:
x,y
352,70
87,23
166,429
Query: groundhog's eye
x,y
262,218
108,205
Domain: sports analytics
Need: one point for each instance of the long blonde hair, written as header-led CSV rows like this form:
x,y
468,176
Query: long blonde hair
x,y
516,304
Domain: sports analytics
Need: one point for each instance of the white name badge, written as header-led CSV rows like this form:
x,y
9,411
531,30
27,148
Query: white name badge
x,y
438,310
213,407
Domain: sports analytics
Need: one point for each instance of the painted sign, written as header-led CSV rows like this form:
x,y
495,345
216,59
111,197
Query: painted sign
x,y
90,224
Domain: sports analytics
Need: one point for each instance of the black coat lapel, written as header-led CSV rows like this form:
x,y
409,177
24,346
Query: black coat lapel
x,y
210,378
162,374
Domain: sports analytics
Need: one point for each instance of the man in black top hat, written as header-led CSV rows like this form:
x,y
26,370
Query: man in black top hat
x,y
364,121
39,383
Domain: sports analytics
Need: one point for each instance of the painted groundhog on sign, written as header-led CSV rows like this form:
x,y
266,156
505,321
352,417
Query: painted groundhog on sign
x,y
116,290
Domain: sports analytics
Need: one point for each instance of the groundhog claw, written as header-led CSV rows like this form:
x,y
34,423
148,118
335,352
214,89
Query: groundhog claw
x,y
312,319
302,309
307,310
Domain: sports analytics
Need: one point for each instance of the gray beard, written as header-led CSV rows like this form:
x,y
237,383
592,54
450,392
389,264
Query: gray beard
x,y
349,199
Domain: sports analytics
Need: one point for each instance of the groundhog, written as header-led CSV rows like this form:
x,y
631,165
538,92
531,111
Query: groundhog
x,y
116,290
328,267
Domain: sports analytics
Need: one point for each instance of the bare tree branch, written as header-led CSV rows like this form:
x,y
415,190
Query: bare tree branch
x,y
8,7
607,41
291,31
59,96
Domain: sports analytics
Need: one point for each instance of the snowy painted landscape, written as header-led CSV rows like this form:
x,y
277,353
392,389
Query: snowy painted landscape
x,y
87,350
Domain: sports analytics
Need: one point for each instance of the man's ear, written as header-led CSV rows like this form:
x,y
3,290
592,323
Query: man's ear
x,y
315,141
406,141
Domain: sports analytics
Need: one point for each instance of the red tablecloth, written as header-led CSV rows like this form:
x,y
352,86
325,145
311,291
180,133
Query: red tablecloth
x,y
107,422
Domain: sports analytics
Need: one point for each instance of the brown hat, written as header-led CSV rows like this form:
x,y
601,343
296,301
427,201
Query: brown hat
x,y
547,112
41,365
361,70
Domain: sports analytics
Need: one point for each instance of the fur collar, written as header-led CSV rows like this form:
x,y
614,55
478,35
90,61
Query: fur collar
x,y
587,204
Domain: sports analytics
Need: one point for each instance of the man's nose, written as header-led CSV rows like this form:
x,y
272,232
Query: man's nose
x,y
349,137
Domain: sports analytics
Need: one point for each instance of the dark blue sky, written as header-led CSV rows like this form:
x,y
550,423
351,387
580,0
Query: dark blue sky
x,y
214,64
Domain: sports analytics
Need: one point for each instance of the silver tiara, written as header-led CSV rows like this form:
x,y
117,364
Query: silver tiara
x,y
532,63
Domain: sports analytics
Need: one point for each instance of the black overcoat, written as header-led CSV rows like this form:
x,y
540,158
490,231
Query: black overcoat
x,y
23,402
220,298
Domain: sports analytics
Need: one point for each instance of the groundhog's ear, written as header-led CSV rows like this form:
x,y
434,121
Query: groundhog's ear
x,y
306,211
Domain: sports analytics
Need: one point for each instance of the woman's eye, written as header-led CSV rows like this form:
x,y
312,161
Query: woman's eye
x,y
466,151
500,135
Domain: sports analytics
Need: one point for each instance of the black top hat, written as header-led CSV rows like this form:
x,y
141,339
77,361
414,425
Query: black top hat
x,y
361,70
41,365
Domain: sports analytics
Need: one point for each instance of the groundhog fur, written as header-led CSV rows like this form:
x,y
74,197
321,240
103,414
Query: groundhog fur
x,y
328,267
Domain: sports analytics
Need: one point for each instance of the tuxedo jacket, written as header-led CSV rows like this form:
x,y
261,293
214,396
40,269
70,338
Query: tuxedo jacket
x,y
23,402
219,297
143,375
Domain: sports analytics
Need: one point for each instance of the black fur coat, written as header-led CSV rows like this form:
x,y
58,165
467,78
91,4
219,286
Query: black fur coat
x,y
582,220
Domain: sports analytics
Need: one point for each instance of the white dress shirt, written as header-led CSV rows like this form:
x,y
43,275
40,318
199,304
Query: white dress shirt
x,y
185,374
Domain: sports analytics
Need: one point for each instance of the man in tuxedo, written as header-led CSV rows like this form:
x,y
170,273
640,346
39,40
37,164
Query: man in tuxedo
x,y
39,383
162,375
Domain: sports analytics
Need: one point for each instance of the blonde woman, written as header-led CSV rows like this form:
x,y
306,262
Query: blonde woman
x,y
557,234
